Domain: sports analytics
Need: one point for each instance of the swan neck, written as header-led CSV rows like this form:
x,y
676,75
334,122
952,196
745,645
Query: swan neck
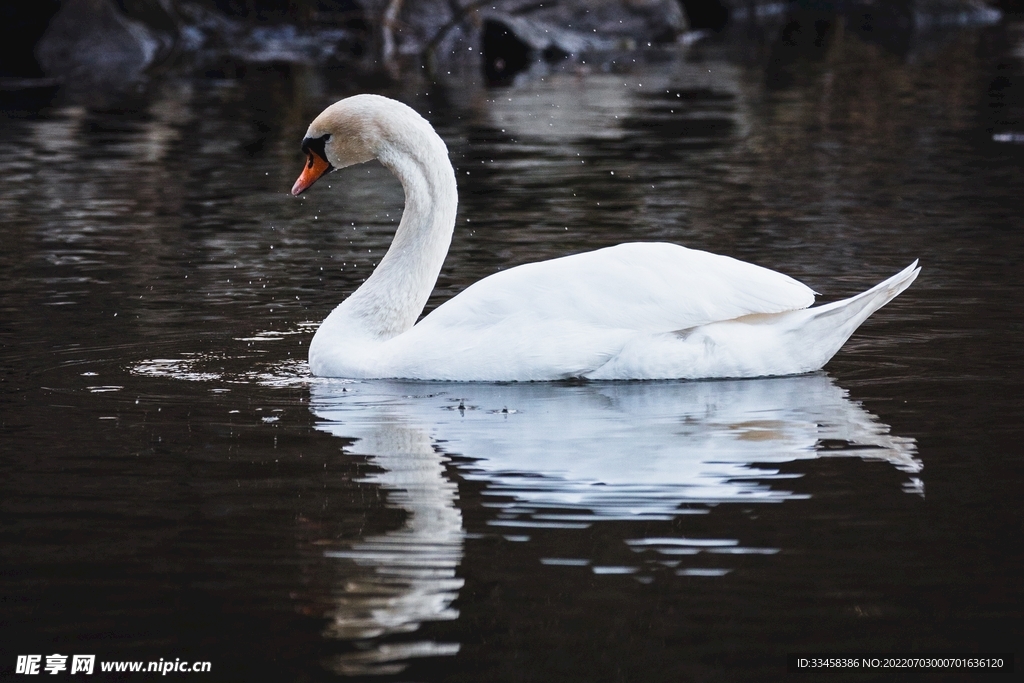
x,y
392,298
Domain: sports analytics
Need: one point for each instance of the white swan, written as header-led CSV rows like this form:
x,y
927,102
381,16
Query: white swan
x,y
633,311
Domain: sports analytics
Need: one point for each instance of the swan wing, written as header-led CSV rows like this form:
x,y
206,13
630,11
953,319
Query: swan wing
x,y
641,287
568,316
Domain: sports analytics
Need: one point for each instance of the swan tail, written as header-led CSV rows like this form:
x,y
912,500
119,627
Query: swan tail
x,y
846,315
821,331
758,345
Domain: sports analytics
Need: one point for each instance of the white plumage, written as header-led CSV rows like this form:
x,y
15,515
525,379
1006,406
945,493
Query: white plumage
x,y
633,311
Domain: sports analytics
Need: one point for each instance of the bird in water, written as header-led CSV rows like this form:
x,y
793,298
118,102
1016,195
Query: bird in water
x,y
638,310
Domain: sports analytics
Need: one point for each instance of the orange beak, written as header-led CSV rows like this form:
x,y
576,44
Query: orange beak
x,y
315,167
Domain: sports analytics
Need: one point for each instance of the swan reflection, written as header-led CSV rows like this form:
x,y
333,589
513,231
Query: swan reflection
x,y
410,575
567,456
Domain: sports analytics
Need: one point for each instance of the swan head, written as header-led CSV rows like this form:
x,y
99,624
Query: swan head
x,y
353,131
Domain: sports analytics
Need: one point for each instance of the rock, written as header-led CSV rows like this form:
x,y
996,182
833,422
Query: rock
x,y
509,44
642,21
93,41
930,13
886,15
510,35
573,24
213,37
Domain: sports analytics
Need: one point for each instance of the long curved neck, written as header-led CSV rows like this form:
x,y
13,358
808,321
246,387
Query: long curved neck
x,y
394,295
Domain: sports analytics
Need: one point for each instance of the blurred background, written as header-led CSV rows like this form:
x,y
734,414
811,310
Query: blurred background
x,y
80,43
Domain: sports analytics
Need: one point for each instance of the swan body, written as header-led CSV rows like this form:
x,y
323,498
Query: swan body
x,y
632,311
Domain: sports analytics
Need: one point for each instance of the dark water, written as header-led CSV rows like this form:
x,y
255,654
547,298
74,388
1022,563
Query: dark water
x,y
173,483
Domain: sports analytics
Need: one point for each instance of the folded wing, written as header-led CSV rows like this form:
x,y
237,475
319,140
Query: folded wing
x,y
643,287
568,316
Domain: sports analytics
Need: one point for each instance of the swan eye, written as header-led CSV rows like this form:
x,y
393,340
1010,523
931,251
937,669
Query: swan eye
x,y
315,145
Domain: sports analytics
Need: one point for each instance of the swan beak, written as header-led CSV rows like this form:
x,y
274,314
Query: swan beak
x,y
315,167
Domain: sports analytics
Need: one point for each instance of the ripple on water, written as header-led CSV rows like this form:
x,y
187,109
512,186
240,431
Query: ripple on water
x,y
197,367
